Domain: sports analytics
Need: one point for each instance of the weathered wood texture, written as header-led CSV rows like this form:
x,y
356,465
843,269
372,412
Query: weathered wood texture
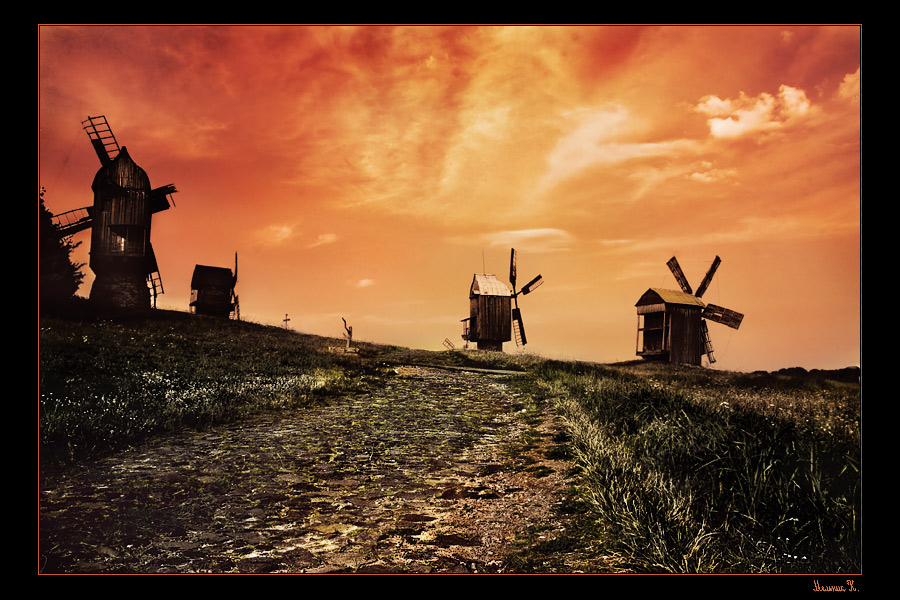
x,y
212,291
121,213
671,326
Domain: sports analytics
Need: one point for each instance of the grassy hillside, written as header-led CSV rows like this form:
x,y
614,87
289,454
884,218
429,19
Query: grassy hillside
x,y
692,470
107,382
679,469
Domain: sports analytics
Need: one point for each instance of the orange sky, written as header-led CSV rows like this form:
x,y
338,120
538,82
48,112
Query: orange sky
x,y
366,172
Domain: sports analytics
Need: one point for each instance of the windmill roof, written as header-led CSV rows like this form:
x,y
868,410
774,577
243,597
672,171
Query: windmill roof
x,y
657,295
211,276
485,284
121,171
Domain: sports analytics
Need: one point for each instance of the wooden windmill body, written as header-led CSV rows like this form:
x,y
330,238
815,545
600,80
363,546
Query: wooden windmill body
x,y
494,315
122,257
672,324
212,291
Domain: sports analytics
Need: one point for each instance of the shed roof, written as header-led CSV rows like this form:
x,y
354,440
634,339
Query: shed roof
x,y
211,276
658,295
485,284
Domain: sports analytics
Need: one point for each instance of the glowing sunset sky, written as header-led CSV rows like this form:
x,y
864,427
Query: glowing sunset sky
x,y
367,172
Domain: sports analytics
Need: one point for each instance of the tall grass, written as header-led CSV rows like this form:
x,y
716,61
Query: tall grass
x,y
687,481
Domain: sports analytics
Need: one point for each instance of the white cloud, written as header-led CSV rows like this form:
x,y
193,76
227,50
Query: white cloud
x,y
734,118
849,87
364,283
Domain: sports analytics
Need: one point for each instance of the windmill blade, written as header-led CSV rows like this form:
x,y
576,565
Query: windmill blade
x,y
724,316
73,221
512,268
518,327
105,144
159,198
706,346
708,278
679,275
532,285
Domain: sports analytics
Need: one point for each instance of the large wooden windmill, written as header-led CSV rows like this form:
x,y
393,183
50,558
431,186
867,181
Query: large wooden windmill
x,y
122,257
494,315
672,324
212,291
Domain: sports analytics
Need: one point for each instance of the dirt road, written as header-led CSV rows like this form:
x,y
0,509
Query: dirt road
x,y
414,477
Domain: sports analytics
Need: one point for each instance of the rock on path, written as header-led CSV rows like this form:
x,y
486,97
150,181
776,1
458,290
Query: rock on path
x,y
409,478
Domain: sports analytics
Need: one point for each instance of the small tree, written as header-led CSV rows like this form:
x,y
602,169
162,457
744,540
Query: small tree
x,y
58,277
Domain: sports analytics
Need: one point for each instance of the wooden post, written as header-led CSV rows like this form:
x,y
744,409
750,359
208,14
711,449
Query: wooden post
x,y
349,332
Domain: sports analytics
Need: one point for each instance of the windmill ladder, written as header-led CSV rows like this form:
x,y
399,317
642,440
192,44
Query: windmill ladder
x,y
73,221
154,282
102,137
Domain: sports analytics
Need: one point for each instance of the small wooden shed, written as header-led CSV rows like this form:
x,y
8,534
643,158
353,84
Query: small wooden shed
x,y
212,291
490,314
670,327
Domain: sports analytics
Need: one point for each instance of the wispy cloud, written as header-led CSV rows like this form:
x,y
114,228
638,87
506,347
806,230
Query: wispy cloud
x,y
323,239
275,235
745,230
604,137
538,240
364,283
705,172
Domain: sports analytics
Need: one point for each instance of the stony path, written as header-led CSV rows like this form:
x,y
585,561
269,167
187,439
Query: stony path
x,y
410,478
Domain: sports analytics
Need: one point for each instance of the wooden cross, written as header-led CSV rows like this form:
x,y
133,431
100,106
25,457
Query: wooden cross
x,y
286,319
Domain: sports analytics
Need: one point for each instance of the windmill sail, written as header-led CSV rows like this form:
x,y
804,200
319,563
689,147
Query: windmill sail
x,y
512,269
102,138
708,278
519,327
160,197
73,221
679,275
724,316
532,285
